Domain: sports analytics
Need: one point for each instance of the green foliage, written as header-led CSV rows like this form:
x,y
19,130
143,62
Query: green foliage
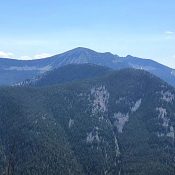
x,y
44,130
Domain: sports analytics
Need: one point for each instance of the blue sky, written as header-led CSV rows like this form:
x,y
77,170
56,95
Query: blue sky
x,y
39,28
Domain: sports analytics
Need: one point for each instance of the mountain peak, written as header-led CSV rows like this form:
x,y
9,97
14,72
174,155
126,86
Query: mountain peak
x,y
80,50
128,56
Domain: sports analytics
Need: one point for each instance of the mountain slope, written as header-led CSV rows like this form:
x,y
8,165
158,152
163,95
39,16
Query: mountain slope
x,y
122,123
15,71
68,73
30,144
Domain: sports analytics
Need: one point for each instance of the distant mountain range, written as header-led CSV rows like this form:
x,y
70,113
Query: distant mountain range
x,y
16,71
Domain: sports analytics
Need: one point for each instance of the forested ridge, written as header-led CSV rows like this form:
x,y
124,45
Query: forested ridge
x,y
119,123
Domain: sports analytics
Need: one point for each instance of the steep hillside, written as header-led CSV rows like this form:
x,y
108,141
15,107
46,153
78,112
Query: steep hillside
x,y
68,73
122,123
15,71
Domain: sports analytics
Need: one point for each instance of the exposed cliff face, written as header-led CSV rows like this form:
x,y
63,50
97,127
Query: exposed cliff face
x,y
100,99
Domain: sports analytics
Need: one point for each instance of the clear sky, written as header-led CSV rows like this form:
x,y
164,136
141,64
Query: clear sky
x,y
39,28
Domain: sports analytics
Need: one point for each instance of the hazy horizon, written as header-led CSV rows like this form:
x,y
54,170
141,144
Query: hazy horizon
x,y
42,28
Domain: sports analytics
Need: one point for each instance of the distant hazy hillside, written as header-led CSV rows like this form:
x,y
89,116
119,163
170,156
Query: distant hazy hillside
x,y
15,71
122,123
68,73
